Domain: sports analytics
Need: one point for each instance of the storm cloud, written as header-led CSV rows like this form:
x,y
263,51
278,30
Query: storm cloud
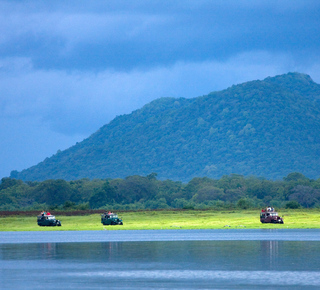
x,y
69,67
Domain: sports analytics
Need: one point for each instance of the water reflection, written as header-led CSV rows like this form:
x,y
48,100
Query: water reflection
x,y
270,253
48,250
166,265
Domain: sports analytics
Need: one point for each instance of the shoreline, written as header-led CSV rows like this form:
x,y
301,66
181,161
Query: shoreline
x,y
160,236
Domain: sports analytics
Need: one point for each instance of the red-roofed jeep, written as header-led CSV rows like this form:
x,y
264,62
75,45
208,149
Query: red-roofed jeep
x,y
110,218
48,220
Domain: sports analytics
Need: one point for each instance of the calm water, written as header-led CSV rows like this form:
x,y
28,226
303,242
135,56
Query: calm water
x,y
194,259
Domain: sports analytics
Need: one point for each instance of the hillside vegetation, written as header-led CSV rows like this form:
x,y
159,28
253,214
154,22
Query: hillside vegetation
x,y
266,128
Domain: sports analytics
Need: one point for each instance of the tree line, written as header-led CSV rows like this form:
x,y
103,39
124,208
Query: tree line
x,y
147,192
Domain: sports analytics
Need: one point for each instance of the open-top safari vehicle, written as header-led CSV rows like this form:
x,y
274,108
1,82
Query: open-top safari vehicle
x,y
110,218
269,215
48,220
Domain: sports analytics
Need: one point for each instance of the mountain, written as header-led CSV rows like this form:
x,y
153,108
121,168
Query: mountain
x,y
265,128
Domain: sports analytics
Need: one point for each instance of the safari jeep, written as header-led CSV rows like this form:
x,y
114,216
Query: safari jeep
x,y
110,218
270,217
48,220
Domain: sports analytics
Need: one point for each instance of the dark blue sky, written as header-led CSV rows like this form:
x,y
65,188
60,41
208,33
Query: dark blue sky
x,y
69,67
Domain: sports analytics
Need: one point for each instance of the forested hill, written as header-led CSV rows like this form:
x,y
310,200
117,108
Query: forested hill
x,y
263,128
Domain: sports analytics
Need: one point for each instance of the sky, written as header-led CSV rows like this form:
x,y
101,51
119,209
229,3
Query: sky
x,y
69,67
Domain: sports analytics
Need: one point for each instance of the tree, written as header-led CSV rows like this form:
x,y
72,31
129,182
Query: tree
x,y
170,190
295,176
209,193
7,182
52,192
135,188
152,176
293,204
262,188
103,196
305,195
245,203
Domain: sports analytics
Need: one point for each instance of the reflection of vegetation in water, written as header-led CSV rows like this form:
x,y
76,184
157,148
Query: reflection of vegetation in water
x,y
168,219
198,255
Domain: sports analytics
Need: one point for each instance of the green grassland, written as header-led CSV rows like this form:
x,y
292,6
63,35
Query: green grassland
x,y
157,220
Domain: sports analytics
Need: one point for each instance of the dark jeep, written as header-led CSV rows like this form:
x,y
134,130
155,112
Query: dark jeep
x,y
48,220
270,216
110,218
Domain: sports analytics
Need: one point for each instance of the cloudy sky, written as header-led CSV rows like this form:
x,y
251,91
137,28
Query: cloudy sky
x,y
69,67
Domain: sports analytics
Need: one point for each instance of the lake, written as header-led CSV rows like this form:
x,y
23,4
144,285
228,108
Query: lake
x,y
161,259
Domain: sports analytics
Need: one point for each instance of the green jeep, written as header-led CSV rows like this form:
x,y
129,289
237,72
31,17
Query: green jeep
x,y
48,220
110,218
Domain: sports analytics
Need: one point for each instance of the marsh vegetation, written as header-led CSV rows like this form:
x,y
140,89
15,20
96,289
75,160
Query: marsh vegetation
x,y
169,219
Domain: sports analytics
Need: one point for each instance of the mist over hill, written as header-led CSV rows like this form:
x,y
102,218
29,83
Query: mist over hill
x,y
265,128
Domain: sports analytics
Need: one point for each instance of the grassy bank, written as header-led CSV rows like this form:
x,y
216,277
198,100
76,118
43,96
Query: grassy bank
x,y
155,220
